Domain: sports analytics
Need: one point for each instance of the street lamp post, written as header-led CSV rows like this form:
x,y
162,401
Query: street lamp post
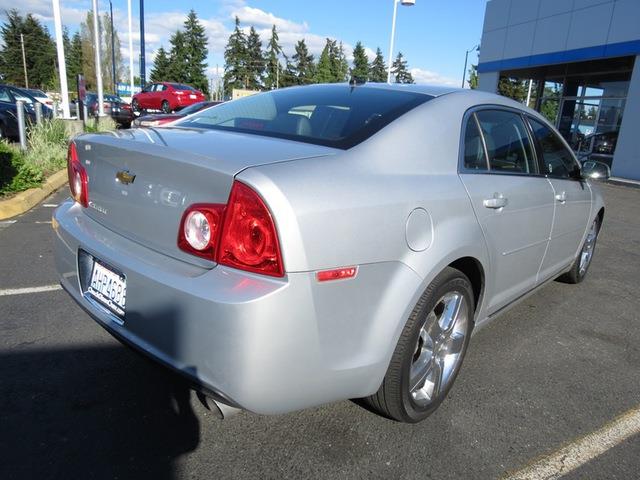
x,y
406,3
466,59
96,40
130,46
113,53
143,72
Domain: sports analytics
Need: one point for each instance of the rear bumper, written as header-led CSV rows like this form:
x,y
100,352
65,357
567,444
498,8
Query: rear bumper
x,y
266,345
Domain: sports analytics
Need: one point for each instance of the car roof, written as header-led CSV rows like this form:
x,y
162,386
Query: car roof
x,y
431,90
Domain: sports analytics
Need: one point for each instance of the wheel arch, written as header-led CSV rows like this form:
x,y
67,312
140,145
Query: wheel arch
x,y
473,269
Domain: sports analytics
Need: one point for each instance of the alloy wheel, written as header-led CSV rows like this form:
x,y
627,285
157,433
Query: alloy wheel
x,y
587,249
439,348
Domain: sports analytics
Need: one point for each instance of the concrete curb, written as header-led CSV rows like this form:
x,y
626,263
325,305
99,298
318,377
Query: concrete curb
x,y
28,199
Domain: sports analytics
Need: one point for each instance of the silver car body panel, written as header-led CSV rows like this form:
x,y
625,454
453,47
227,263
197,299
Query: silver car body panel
x,y
273,345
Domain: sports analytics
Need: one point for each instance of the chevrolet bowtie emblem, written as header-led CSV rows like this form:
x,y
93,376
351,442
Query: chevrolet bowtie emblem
x,y
123,176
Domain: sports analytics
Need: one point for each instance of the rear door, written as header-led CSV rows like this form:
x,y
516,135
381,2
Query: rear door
x,y
513,203
145,96
572,196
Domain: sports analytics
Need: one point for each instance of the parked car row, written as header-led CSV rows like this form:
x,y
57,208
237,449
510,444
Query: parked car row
x,y
174,100
9,95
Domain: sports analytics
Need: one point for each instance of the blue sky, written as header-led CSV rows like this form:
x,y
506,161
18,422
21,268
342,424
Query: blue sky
x,y
433,34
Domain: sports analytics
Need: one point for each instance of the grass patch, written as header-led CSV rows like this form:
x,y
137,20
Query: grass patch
x,y
46,154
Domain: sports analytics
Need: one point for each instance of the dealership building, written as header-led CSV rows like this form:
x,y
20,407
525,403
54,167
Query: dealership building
x,y
578,63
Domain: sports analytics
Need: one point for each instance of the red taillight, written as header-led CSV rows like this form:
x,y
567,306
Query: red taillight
x,y
248,239
126,106
78,180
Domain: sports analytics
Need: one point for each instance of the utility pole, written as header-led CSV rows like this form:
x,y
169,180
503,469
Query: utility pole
x,y
113,52
130,46
62,66
143,73
24,62
97,43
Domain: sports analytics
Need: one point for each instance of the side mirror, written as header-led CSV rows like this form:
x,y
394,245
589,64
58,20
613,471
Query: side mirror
x,y
595,170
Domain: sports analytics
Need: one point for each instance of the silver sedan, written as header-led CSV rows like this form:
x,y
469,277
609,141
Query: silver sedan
x,y
321,243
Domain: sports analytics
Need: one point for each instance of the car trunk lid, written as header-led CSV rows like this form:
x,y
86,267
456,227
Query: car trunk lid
x,y
142,180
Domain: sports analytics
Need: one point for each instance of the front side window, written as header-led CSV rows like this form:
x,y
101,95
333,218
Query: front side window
x,y
507,142
558,160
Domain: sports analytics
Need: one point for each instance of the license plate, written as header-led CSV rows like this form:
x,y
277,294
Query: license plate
x,y
192,96
108,287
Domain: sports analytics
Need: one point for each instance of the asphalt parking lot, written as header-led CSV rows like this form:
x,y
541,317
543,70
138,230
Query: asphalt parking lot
x,y
74,403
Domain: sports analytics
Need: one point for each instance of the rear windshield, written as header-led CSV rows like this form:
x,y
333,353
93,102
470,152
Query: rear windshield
x,y
333,115
179,86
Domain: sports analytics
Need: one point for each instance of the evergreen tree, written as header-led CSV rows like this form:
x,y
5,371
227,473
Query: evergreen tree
x,y
323,72
378,70
161,65
513,88
303,69
401,71
473,77
39,48
360,68
255,62
196,52
339,64
178,58
272,63
235,59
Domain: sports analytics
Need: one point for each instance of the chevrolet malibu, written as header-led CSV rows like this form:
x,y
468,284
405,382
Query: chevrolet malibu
x,y
322,243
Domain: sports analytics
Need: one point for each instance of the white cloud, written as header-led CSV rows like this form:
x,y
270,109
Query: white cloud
x,y
261,19
159,26
433,78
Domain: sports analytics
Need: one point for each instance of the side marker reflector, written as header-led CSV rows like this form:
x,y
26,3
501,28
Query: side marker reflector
x,y
336,274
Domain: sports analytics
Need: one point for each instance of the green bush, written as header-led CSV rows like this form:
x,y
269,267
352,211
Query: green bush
x,y
46,154
16,173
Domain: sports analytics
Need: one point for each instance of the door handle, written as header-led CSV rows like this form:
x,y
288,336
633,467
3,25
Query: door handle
x,y
561,197
498,201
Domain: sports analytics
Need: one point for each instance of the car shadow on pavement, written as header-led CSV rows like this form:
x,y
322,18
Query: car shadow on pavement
x,y
91,412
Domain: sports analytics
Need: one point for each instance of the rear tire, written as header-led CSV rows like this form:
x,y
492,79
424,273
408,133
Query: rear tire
x,y
582,262
166,108
135,106
430,351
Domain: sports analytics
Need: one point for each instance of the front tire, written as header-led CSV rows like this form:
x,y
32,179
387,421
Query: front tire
x,y
430,351
582,262
135,106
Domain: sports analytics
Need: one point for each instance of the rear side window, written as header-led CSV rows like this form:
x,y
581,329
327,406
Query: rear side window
x,y
333,115
507,140
474,155
4,95
558,160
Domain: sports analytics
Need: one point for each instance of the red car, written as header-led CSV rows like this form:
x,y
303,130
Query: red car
x,y
166,96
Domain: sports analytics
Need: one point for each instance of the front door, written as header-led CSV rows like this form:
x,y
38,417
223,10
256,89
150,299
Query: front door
x,y
572,197
513,203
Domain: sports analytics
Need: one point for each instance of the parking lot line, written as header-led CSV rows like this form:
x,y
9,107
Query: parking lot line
x,y
581,450
22,291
